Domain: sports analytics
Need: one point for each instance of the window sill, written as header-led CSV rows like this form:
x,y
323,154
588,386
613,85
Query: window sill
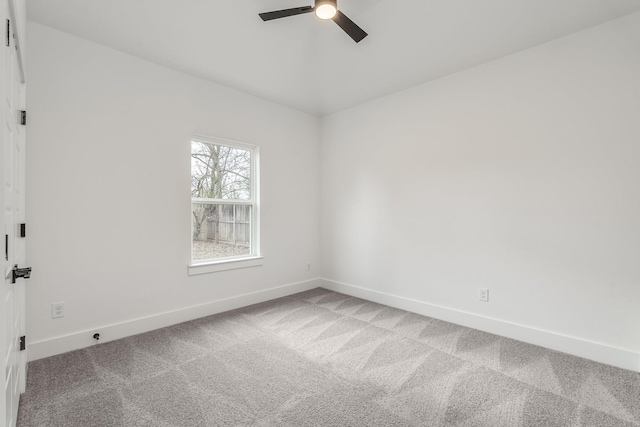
x,y
233,264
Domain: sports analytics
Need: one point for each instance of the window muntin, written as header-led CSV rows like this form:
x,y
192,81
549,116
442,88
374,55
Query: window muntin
x,y
224,202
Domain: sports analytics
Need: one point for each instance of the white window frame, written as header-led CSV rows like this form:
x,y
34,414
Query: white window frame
x,y
254,258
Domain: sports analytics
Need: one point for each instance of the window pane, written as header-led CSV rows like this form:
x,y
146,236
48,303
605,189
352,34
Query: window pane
x,y
220,231
220,172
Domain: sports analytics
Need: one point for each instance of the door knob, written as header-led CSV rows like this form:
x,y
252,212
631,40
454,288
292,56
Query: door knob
x,y
18,273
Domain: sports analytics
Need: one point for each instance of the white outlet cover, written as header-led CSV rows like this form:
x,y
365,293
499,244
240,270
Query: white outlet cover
x,y
57,310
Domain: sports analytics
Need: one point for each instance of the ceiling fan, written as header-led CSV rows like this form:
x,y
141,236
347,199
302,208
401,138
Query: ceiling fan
x,y
324,9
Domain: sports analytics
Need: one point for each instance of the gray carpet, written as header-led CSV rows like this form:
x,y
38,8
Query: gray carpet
x,y
320,358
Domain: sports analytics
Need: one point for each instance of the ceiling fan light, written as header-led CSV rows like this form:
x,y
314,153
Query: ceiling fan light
x,y
326,10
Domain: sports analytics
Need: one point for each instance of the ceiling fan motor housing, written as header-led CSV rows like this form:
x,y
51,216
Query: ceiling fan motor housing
x,y
330,2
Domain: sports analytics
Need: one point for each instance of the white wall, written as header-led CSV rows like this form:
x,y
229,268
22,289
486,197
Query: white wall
x,y
520,175
108,201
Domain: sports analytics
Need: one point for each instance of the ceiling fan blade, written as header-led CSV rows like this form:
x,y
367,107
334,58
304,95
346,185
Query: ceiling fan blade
x,y
349,27
268,16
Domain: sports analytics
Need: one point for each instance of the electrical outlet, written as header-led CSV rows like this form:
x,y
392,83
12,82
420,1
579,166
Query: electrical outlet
x,y
57,310
483,294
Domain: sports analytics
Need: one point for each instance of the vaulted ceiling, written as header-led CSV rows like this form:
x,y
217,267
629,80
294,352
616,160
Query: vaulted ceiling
x,y
312,65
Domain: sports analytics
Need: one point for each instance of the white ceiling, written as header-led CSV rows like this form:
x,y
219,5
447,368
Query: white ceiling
x,y
311,65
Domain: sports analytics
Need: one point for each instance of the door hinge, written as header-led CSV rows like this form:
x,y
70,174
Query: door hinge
x,y
23,230
23,117
8,32
23,343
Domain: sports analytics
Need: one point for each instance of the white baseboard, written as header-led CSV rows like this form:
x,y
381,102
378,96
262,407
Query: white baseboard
x,y
603,353
82,339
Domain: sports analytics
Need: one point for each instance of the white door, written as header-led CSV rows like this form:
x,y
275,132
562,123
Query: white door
x,y
12,295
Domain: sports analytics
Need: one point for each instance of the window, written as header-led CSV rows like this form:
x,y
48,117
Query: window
x,y
224,205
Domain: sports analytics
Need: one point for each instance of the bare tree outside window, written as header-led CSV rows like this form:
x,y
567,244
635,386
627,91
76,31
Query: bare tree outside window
x,y
222,201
